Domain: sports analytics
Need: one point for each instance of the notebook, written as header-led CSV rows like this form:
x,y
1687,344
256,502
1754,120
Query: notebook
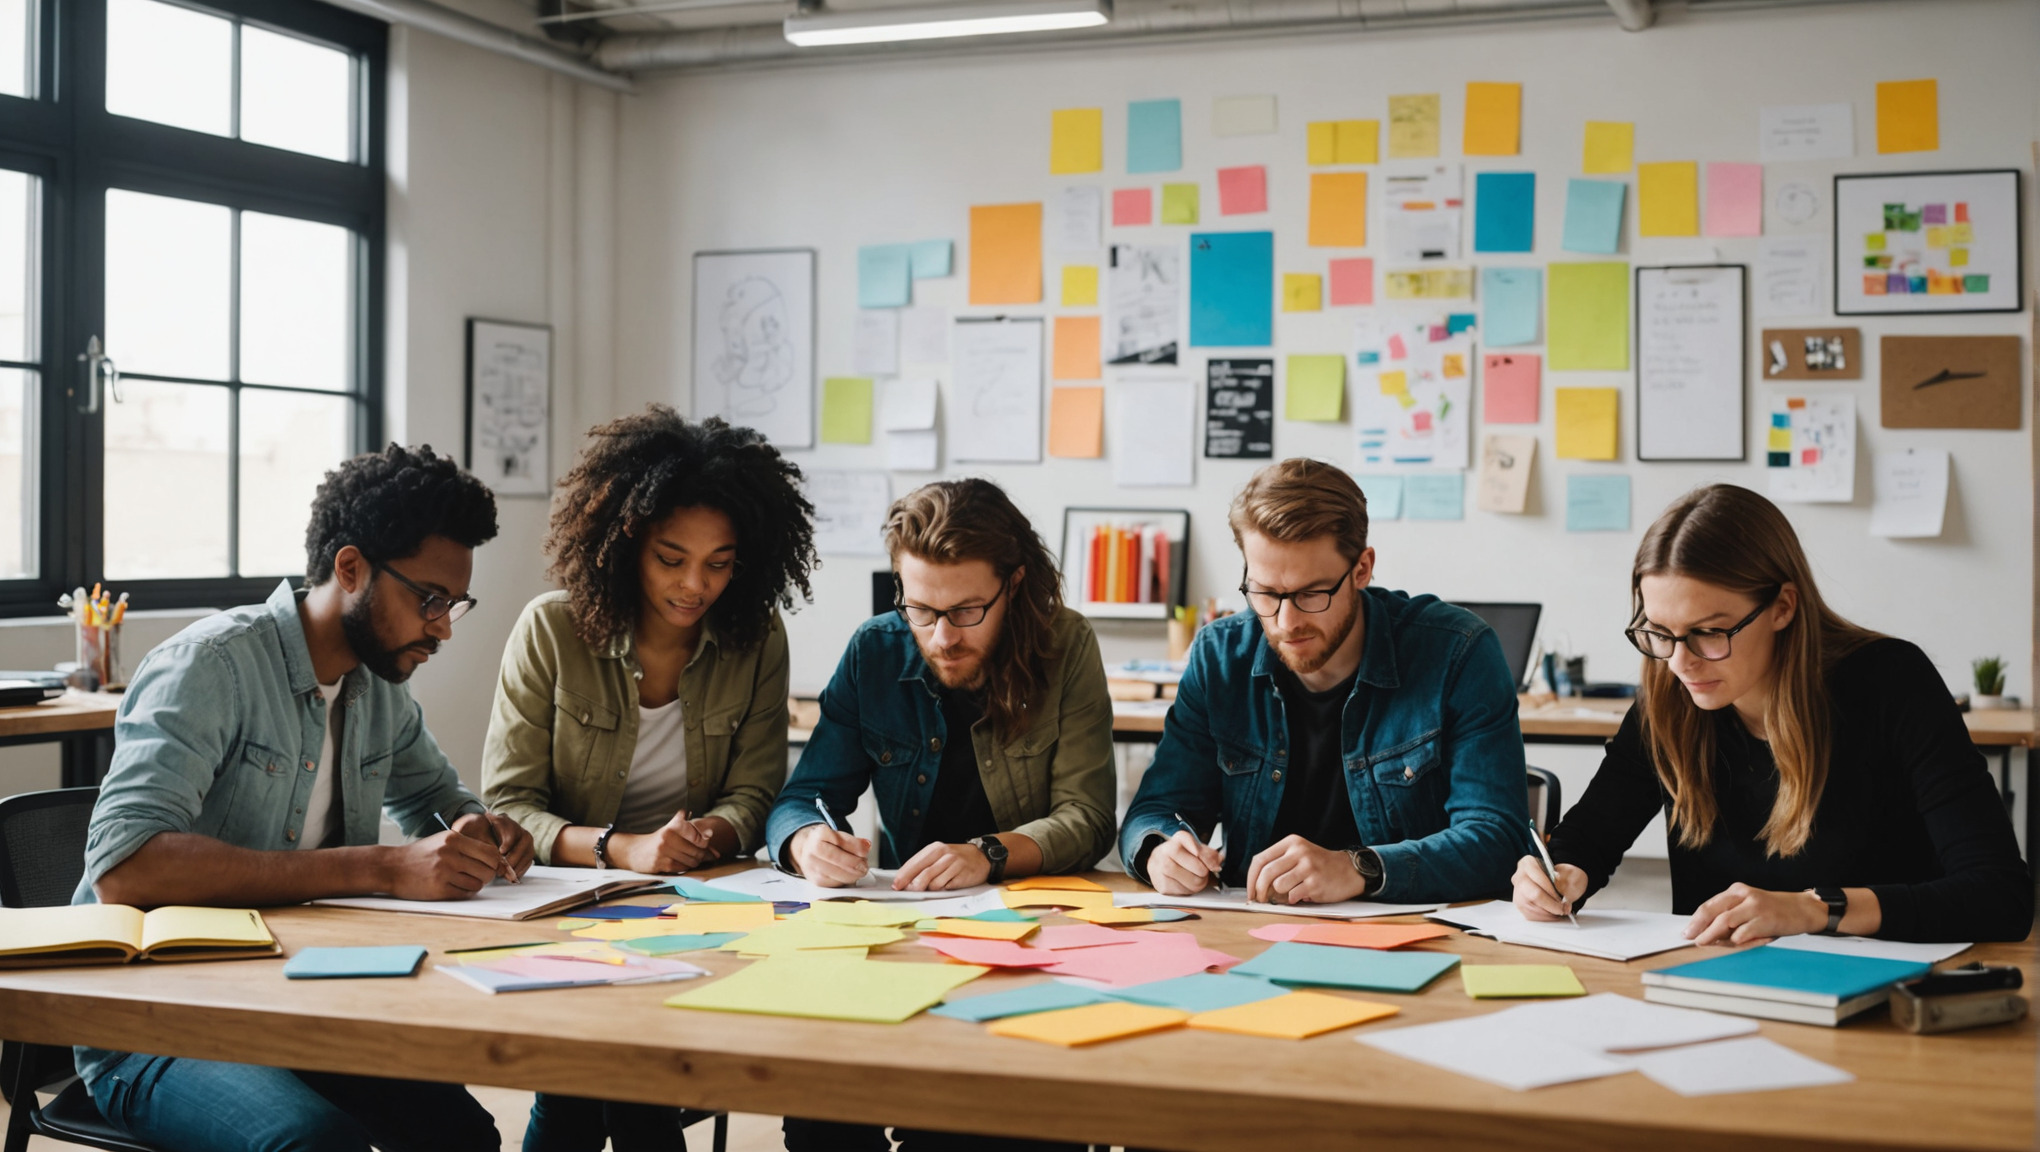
x,y
353,963
543,891
117,933
1821,979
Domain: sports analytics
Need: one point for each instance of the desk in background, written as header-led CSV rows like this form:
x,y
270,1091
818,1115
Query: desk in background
x,y
81,721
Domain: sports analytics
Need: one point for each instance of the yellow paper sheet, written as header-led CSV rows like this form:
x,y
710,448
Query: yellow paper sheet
x,y
874,991
716,918
1005,253
1345,141
1338,209
1586,423
1908,116
1076,423
846,410
1321,142
1302,292
1412,127
1112,916
1587,316
1519,981
1395,382
1494,118
982,929
1295,1016
1055,883
1076,348
1076,141
1611,147
802,935
1080,285
638,929
1055,899
864,913
1090,1024
1317,388
1668,198
1427,283
1179,203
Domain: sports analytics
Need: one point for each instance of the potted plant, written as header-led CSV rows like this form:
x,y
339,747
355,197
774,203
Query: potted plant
x,y
1990,683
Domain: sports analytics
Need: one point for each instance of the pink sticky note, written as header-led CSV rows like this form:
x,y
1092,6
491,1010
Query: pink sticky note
x,y
1809,456
1352,281
1277,932
1735,199
1147,961
1132,207
1509,387
1397,350
996,953
1421,420
1082,936
1242,190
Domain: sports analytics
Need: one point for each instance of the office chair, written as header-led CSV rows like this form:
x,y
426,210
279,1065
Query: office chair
x,y
1544,799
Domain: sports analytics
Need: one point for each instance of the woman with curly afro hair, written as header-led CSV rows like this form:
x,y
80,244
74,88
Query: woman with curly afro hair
x,y
641,711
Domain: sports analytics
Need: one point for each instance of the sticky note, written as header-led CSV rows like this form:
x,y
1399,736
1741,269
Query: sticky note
x,y
1080,285
1047,997
1384,496
1055,882
1504,211
1338,209
864,913
1200,992
885,275
1076,140
1587,317
1494,117
1243,116
1394,383
1345,141
1056,898
1232,289
1593,216
932,258
1908,116
1512,299
1302,292
993,953
1412,127
1322,965
1005,253
1132,207
1154,136
846,410
785,936
1668,199
1076,348
1090,1024
1317,388
689,888
1434,497
670,945
1610,147
1114,915
1292,1016
1076,423
1179,203
1586,423
1242,191
1519,981
1321,142
1596,503
1352,281
1509,387
1735,199
354,962
1369,935
873,991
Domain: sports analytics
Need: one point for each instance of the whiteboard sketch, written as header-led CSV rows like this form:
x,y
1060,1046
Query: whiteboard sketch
x,y
509,406
754,341
850,509
997,415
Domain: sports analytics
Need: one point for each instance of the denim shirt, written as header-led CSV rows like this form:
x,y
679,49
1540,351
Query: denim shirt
x,y
1432,751
882,725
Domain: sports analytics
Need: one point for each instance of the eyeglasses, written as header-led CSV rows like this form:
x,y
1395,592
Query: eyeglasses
x,y
962,616
1706,643
431,605
1308,600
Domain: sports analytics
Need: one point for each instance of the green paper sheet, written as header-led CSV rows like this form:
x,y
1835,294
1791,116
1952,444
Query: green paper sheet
x,y
1317,388
1587,317
802,935
668,945
1515,981
872,991
846,410
1179,203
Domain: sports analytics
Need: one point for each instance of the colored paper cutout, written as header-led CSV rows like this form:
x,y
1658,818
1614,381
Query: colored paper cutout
x,y
846,410
1352,281
1076,141
1317,388
1610,148
1200,992
1587,428
670,945
873,991
863,913
687,887
1232,289
1429,496
1908,116
1242,191
1054,898
1293,1016
1412,127
1118,915
1083,936
810,935
1597,503
1080,285
885,275
1587,317
1593,216
1510,382
1362,968
1668,199
1504,211
1076,423
1005,253
1076,348
688,918
1338,209
1519,981
1512,299
992,953
1055,882
1302,292
1344,141
932,258
1132,207
1049,996
1735,199
1179,203
1494,118
1154,136
1369,935
1090,1024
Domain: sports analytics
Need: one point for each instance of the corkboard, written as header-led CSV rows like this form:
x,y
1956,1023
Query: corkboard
x,y
1951,381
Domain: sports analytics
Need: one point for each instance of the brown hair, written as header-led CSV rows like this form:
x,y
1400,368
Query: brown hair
x,y
1302,499
1734,539
953,521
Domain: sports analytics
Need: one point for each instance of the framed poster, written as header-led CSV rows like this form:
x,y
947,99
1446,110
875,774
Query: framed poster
x,y
1691,348
1924,242
1125,563
754,341
509,406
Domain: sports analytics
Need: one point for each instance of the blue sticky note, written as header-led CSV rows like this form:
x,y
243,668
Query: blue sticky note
x,y
694,889
1325,965
1504,211
681,942
1593,215
930,258
1781,419
885,275
1154,136
1512,302
1232,289
1200,992
1169,915
1007,915
1440,496
1457,322
349,963
1026,1001
1384,496
1597,503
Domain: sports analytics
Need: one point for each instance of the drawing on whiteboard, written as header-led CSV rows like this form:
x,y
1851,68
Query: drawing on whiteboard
x,y
754,341
1412,386
998,390
1145,286
509,405
756,358
1689,362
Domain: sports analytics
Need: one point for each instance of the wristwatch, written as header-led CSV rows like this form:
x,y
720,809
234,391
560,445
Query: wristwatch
x,y
996,853
1368,864
1837,902
602,847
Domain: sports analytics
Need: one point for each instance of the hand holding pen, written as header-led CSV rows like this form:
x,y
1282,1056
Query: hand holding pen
x,y
1184,864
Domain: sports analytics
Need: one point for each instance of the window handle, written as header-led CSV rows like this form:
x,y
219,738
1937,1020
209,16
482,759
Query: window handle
x,y
100,370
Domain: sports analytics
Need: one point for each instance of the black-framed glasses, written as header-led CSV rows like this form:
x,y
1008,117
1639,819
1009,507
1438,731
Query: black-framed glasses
x,y
1706,643
1266,603
431,605
962,616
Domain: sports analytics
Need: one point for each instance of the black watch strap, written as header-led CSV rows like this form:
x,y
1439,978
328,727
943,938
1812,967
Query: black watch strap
x,y
602,847
1837,902
994,851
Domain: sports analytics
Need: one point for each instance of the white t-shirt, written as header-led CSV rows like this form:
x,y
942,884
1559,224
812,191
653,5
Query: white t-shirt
x,y
657,787
325,795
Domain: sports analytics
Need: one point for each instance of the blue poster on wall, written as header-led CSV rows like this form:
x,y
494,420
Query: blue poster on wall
x,y
1232,289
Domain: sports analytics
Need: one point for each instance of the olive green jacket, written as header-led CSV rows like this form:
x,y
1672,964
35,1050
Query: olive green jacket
x,y
566,718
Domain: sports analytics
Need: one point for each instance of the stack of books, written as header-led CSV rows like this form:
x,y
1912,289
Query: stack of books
x,y
1127,564
1782,984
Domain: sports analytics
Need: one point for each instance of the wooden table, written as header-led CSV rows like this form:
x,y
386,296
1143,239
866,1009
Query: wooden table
x,y
81,721
1177,1090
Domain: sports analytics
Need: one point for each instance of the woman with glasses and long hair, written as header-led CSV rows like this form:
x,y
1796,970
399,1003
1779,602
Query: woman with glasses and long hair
x,y
1815,776
640,716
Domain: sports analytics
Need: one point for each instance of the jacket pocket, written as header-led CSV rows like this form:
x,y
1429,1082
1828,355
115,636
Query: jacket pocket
x,y
718,730
258,805
1407,765
889,753
584,731
1410,782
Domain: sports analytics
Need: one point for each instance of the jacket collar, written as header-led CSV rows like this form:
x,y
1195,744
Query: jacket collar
x,y
1377,653
290,632
625,645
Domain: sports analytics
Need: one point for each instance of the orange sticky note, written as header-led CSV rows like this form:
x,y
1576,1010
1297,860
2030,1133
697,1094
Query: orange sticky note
x,y
1052,883
1368,935
1909,116
1112,915
1005,253
1076,140
1338,209
1296,1016
1076,423
1494,116
1090,1024
1076,348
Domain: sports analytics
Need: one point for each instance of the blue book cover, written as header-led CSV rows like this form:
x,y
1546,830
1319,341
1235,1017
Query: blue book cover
x,y
1818,974
350,963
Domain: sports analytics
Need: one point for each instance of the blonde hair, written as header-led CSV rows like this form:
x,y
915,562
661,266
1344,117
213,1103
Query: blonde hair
x,y
1302,499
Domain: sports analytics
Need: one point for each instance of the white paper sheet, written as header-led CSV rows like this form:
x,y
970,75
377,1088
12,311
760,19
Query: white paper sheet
x,y
919,451
540,887
1079,223
1154,433
1505,462
1814,461
1909,493
907,405
1243,116
1879,949
876,350
1144,304
1487,1048
1609,1023
1412,237
850,506
754,357
1753,1064
1791,277
772,884
1789,132
997,413
1235,900
1690,363
924,335
1611,935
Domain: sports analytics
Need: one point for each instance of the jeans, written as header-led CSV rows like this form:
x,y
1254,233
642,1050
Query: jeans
x,y
574,1124
184,1105
830,1136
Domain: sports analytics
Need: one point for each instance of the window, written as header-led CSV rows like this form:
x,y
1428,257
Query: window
x,y
191,203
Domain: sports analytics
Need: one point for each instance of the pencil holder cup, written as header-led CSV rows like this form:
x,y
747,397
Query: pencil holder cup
x,y
1180,634
99,650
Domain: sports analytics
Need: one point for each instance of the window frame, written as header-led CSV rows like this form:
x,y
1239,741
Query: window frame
x,y
66,138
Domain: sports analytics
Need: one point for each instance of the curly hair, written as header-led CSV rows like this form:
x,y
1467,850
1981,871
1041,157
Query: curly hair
x,y
636,471
386,503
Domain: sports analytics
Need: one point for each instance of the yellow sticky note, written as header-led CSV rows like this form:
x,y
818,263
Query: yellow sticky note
x,y
1112,916
1453,365
1076,423
802,935
1317,388
1321,142
1295,1016
638,929
1076,348
830,988
1338,209
1179,203
1076,140
696,918
1611,147
1358,141
1055,898
1090,1024
1586,423
1908,116
1586,323
1494,117
1668,198
982,929
1395,383
1080,286
1005,253
1053,882
1412,127
1873,242
1963,233
1519,981
865,913
1937,236
846,410
1958,257
1302,292
1780,441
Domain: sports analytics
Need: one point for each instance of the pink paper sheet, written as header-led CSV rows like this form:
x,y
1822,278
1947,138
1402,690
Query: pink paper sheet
x,y
995,953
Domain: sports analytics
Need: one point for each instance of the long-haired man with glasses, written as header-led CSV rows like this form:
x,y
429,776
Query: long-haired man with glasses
x,y
254,755
1355,742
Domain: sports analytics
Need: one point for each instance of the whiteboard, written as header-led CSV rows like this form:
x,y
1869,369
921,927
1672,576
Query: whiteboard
x,y
1691,348
509,406
997,411
754,341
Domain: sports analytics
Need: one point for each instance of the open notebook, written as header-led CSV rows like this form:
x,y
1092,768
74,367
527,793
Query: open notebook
x,y
117,933
544,891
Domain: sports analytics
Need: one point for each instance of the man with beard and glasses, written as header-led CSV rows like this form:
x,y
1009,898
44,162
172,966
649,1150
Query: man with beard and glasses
x,y
1355,742
254,754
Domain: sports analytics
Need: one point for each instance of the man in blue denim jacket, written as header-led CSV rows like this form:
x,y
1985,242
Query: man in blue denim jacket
x,y
254,755
1356,742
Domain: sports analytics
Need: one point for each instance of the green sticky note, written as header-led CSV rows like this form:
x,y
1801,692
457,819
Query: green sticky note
x,y
873,991
685,942
1586,322
846,410
1317,388
1519,981
860,913
1179,203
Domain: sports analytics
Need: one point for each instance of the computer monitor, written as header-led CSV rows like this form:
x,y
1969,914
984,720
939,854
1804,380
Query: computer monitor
x,y
1515,626
882,587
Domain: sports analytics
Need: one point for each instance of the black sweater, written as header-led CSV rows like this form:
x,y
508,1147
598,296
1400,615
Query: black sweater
x,y
1909,810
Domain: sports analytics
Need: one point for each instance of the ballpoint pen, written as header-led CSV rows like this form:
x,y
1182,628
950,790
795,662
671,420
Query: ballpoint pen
x,y
507,874
1551,870
1215,880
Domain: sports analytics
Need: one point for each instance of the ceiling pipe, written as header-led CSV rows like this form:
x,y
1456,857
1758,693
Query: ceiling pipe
x,y
1633,15
443,21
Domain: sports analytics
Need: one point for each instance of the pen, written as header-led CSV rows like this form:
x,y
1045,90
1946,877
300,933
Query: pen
x,y
1550,870
827,818
492,835
1193,833
495,947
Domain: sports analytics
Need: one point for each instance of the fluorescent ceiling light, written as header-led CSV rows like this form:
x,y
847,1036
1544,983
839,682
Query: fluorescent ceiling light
x,y
813,30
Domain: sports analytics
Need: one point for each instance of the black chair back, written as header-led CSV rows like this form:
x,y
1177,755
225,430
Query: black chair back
x,y
42,846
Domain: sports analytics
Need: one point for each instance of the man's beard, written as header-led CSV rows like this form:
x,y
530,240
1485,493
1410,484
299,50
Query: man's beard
x,y
972,679
1334,640
358,625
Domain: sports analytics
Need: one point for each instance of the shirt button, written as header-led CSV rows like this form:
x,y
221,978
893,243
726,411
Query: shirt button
x,y
885,757
300,811
1409,773
934,743
1276,775
913,811
921,779
585,717
289,834
310,767
988,763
